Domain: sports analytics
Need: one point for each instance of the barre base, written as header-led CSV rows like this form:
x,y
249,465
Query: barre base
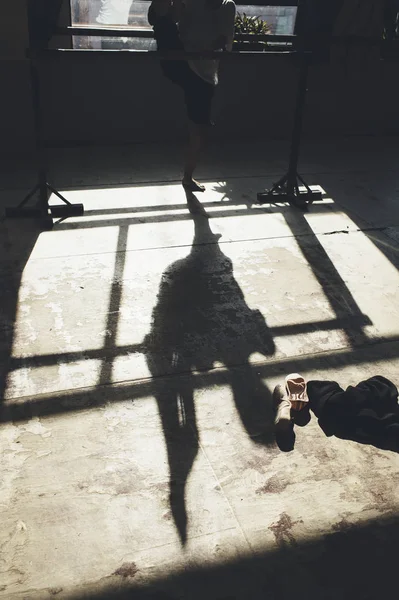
x,y
43,210
289,189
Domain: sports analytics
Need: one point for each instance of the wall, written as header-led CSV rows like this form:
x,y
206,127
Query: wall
x,y
13,30
120,99
15,113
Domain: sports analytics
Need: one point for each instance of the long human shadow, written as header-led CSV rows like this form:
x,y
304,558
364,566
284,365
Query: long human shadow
x,y
201,318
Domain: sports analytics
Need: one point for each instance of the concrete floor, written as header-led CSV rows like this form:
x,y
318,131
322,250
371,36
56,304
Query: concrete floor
x,y
140,346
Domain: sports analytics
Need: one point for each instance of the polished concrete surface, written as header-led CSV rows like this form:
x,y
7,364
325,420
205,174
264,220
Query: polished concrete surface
x,y
140,346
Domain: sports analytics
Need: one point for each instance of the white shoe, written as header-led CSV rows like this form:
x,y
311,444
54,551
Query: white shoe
x,y
296,390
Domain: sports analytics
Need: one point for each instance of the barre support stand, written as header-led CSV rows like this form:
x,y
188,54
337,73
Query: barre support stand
x,y
42,210
292,188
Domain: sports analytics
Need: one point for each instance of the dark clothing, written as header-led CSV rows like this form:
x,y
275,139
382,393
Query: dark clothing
x,y
42,18
198,94
367,413
166,31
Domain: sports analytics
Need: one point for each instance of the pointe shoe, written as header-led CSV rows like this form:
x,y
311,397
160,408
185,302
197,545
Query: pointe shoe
x,y
282,406
296,390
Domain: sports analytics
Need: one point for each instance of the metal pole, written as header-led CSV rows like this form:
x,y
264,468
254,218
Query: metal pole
x,y
298,123
40,157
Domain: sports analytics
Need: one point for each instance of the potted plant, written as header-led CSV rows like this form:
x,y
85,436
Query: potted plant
x,y
250,26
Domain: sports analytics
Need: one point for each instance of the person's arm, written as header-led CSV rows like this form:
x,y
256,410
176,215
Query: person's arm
x,y
229,23
225,40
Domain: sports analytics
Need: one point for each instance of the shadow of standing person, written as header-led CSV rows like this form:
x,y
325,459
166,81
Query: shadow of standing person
x,y
201,318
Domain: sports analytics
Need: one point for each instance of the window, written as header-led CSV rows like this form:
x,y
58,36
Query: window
x,y
133,13
112,13
281,19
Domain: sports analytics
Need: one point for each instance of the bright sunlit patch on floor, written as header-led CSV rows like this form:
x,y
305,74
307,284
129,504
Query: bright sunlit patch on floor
x,y
62,311
60,243
103,292
362,267
156,470
111,200
49,379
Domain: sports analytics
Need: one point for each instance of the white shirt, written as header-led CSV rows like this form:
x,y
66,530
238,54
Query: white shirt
x,y
114,12
199,29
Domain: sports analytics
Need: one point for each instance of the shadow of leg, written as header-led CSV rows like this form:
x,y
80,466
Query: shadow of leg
x,y
194,205
177,412
254,403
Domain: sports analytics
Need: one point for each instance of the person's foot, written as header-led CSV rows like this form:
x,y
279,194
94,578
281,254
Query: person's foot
x,y
192,185
282,406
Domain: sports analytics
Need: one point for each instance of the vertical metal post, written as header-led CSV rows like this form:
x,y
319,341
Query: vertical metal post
x,y
40,157
298,124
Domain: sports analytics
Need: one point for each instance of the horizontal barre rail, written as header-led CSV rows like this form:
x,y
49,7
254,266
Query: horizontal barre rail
x,y
122,31
153,54
275,43
77,30
98,31
391,52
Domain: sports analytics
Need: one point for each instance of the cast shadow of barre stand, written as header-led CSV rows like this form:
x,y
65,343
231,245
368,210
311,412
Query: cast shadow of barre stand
x,y
200,318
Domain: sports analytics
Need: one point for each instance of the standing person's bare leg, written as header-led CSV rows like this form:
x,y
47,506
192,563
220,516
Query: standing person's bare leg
x,y
197,137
